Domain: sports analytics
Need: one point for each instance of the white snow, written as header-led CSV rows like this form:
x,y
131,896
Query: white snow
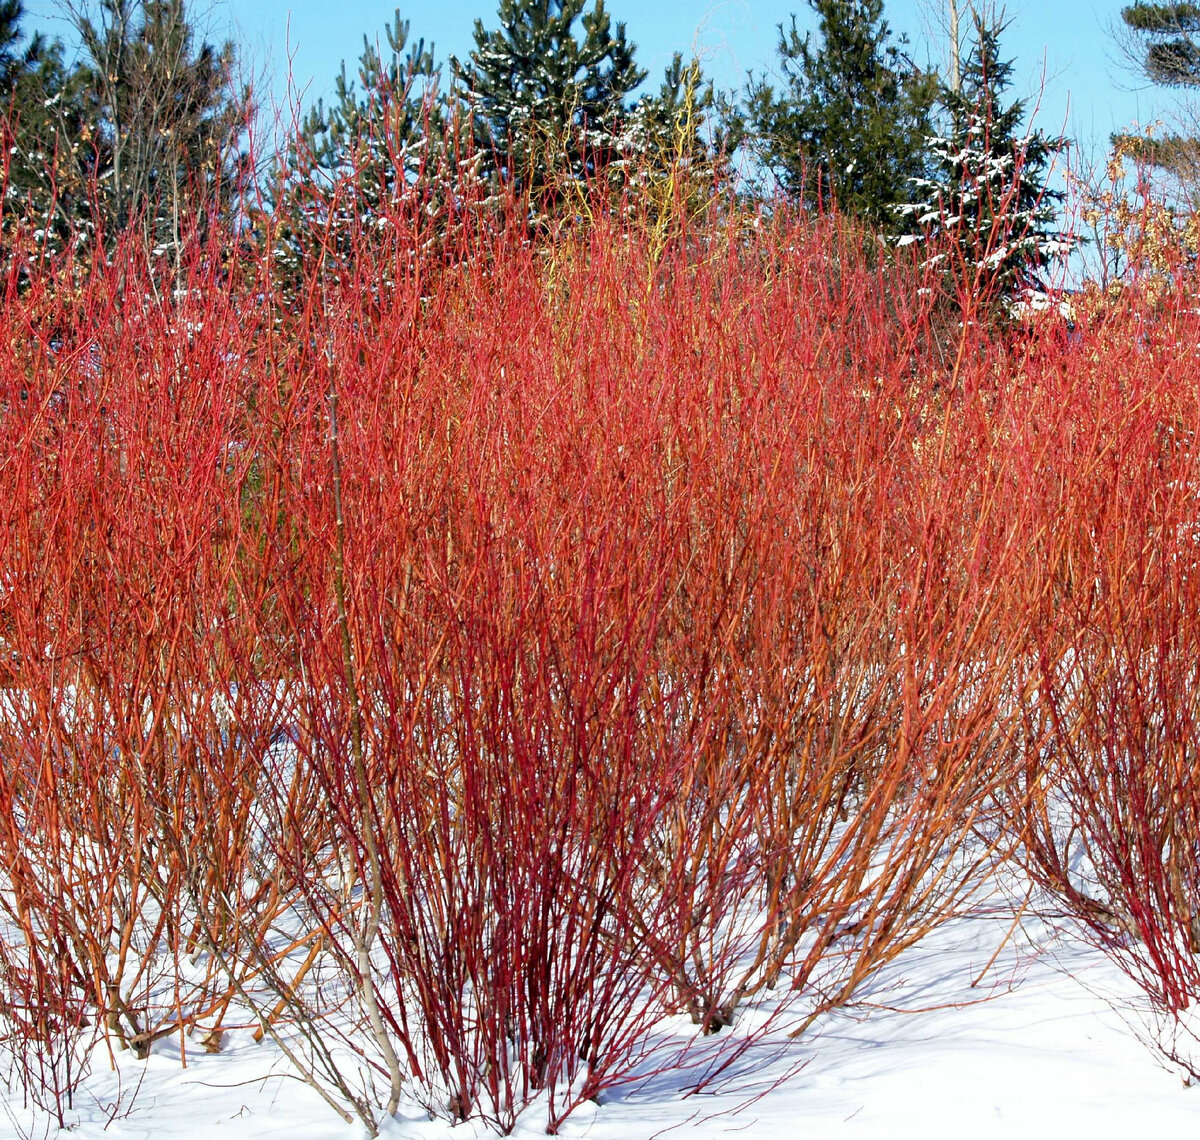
x,y
1044,1040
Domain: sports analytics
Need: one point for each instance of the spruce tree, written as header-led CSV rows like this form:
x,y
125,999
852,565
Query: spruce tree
x,y
548,92
987,188
850,123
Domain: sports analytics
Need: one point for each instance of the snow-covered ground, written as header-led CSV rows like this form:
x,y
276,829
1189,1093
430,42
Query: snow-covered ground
x,y
1046,1042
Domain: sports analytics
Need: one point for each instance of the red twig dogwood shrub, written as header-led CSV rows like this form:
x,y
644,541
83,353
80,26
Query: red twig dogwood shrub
x,y
556,544
132,733
1112,823
477,627
851,711
456,660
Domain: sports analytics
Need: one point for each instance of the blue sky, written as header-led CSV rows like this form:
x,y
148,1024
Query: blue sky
x,y
1087,91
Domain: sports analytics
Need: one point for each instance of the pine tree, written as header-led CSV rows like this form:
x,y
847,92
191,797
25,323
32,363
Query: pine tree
x,y
1163,40
52,146
664,149
13,61
381,128
851,122
668,126
168,114
1167,36
987,191
382,132
673,117
548,105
